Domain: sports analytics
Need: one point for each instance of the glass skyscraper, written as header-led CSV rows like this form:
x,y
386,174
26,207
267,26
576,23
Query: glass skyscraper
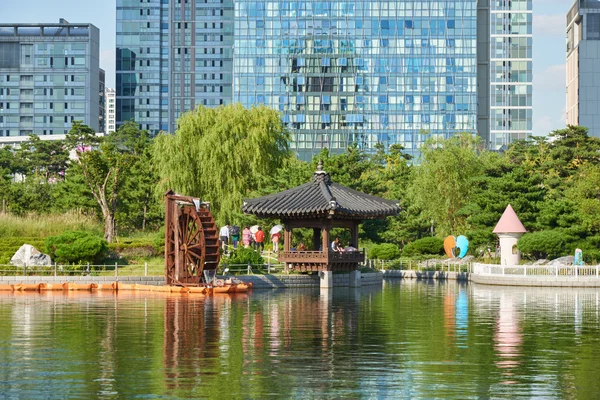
x,y
505,69
49,77
359,71
171,56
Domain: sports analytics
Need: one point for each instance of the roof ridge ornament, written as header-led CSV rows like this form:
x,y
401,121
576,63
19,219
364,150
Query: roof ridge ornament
x,y
320,175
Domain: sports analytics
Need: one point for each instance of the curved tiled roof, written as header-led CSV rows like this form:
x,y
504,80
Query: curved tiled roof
x,y
318,198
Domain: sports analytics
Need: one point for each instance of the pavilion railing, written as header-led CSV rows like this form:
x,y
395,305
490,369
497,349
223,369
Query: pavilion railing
x,y
320,256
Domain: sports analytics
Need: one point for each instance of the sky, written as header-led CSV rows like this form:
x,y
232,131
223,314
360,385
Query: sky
x,y
549,24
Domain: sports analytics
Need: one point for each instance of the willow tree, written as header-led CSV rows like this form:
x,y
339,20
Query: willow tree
x,y
443,182
221,154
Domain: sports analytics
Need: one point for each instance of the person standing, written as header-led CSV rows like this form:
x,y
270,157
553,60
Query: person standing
x,y
246,237
224,236
259,240
275,239
234,235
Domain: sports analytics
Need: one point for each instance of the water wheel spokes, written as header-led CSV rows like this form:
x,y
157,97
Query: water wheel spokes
x,y
192,244
191,240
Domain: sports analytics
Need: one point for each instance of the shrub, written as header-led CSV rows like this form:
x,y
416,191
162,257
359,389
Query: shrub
x,y
547,244
384,251
428,245
76,247
244,256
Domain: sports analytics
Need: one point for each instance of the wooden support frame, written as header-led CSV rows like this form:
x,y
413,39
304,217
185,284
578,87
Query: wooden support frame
x,y
191,240
322,259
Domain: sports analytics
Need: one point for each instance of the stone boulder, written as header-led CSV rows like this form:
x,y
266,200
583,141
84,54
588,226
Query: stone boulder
x,y
31,257
561,261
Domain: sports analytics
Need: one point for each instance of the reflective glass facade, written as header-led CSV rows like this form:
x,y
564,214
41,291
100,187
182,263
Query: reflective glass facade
x,y
360,71
171,56
583,66
510,71
49,77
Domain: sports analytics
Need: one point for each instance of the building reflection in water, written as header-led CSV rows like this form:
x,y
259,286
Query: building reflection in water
x,y
508,338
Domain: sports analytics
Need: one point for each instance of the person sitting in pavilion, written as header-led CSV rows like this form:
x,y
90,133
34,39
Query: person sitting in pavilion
x,y
336,246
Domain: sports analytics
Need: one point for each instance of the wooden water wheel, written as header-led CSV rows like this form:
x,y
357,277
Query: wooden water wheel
x,y
191,240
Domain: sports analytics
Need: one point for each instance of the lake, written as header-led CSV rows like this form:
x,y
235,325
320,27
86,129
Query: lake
x,y
404,339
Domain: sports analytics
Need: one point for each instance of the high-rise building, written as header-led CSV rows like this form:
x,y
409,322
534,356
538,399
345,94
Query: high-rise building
x,y
102,101
110,97
49,77
359,71
171,56
583,66
339,72
504,73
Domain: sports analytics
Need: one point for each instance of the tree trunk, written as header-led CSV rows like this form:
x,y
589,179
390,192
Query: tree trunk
x,y
109,227
144,218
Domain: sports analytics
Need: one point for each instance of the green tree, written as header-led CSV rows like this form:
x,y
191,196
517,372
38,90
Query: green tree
x,y
222,155
44,160
442,184
105,163
139,206
584,194
7,169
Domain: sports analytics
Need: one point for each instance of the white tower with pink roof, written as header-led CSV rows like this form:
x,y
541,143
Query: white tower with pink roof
x,y
509,229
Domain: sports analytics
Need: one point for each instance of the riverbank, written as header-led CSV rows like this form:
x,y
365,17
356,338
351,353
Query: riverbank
x,y
258,281
292,281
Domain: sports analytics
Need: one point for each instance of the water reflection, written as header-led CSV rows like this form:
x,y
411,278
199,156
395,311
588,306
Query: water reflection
x,y
507,338
407,339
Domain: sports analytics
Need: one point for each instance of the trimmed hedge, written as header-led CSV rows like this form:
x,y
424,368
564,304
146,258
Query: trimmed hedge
x,y
74,247
548,244
428,245
384,251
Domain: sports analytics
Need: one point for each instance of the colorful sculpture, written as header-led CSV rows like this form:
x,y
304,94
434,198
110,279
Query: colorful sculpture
x,y
578,257
459,245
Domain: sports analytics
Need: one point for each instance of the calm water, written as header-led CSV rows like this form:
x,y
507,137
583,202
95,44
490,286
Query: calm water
x,y
406,339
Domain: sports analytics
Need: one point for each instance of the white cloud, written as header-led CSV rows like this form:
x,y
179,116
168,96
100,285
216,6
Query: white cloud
x,y
552,78
107,63
554,24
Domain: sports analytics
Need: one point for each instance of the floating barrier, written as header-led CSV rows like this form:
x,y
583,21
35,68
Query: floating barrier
x,y
119,286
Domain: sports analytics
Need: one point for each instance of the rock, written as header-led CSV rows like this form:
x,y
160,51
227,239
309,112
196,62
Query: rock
x,y
567,260
30,256
540,262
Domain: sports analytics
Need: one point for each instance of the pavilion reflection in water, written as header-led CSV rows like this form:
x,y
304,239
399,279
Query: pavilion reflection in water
x,y
321,205
201,333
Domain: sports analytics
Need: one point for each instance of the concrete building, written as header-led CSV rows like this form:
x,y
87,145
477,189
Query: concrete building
x,y
583,66
49,77
102,101
171,56
111,108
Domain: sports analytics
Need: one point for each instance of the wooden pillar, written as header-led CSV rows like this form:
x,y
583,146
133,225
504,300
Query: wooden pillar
x,y
354,232
325,235
316,239
175,223
167,232
287,236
